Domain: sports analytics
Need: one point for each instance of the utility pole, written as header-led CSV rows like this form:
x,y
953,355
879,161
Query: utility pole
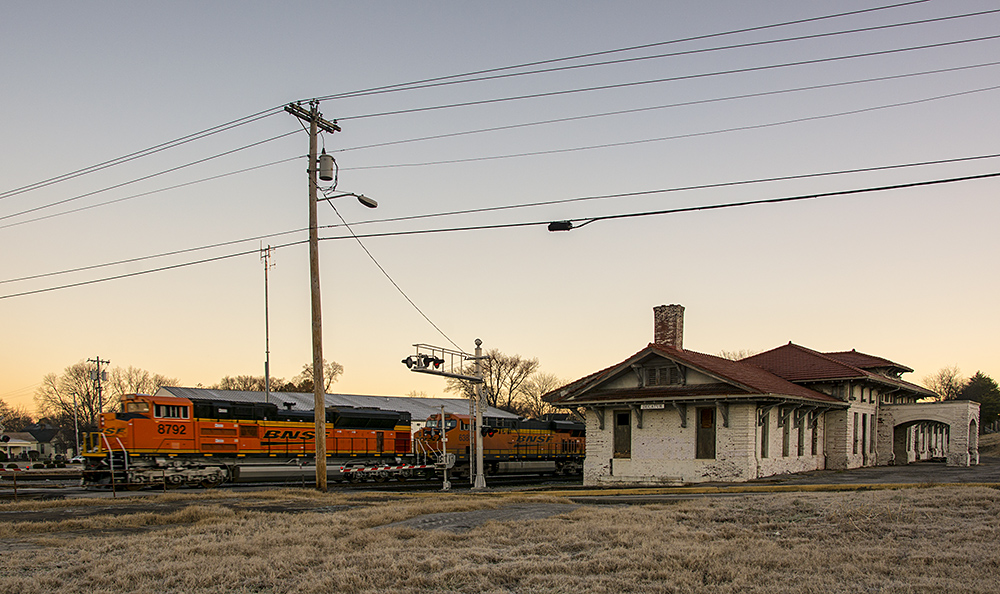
x,y
97,376
480,475
265,255
316,122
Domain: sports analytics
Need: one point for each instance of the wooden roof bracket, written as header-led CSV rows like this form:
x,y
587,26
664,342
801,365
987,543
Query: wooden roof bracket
x,y
638,415
683,410
762,412
724,411
783,416
801,414
600,417
815,414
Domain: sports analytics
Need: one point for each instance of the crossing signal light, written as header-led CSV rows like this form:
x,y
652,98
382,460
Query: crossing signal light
x,y
429,360
423,361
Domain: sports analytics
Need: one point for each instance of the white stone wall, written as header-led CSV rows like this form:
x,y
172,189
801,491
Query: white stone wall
x,y
664,453
776,462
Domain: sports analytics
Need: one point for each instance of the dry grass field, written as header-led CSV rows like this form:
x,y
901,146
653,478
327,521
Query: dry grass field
x,y
941,539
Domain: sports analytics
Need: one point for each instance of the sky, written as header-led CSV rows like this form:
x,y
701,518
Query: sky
x,y
909,274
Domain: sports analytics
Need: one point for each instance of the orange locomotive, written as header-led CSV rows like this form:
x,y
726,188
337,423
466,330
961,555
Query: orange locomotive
x,y
549,445
175,441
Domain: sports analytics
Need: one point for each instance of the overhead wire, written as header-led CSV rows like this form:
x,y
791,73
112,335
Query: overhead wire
x,y
528,124
633,194
634,59
666,106
631,84
389,277
676,136
406,86
403,86
585,221
143,153
146,177
151,192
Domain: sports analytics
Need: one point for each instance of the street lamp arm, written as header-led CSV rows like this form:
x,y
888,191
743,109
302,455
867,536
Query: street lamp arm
x,y
365,200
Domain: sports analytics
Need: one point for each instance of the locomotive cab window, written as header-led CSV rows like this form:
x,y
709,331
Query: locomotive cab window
x,y
137,407
168,411
449,424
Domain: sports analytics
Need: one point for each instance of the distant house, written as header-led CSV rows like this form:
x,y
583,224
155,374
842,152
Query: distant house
x,y
21,445
670,415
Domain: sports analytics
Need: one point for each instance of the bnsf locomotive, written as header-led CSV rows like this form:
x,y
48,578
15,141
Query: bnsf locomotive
x,y
174,441
177,441
550,445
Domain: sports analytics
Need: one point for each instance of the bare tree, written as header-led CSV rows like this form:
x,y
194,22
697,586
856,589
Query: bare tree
x,y
503,378
331,373
530,403
947,382
244,383
58,393
737,354
132,380
14,417
56,396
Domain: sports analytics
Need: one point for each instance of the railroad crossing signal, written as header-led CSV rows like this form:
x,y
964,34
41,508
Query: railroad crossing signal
x,y
430,359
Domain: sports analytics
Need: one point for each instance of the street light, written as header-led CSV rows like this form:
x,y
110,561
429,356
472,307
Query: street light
x,y
369,202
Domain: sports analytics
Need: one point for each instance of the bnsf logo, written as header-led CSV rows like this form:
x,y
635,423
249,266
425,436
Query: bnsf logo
x,y
533,438
279,434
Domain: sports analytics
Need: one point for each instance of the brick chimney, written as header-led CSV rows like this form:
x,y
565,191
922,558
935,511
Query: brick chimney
x,y
668,325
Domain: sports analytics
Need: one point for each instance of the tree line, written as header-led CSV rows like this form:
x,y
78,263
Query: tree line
x,y
510,382
949,384
70,400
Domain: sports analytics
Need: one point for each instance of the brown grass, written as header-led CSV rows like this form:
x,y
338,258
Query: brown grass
x,y
915,540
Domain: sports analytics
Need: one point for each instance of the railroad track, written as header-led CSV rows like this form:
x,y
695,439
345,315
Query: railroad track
x,y
66,485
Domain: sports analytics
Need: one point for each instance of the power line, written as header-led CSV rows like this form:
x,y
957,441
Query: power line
x,y
683,188
151,256
559,120
407,86
589,220
527,205
145,177
410,86
143,153
676,136
686,52
607,87
666,106
391,280
585,220
151,192
144,272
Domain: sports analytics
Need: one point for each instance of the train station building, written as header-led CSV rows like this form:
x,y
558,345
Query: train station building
x,y
667,415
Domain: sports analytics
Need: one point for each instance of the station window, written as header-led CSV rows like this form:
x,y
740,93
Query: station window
x,y
786,434
765,438
855,433
170,411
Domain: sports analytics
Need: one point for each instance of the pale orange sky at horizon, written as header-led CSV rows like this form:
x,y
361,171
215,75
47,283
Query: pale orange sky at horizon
x,y
906,274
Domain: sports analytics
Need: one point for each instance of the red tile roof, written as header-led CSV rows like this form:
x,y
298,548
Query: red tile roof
x,y
797,363
864,361
745,378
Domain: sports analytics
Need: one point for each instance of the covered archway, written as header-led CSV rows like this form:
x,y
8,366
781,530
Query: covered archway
x,y
948,429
